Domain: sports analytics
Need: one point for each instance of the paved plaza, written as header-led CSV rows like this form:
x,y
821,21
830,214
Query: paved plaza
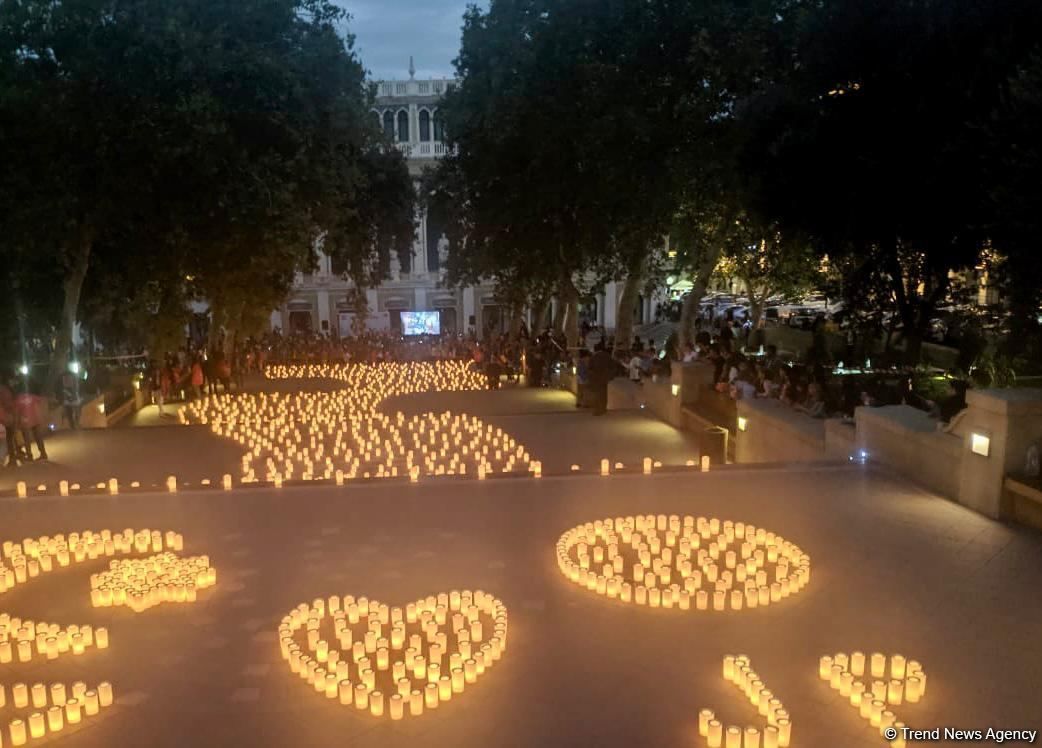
x,y
894,570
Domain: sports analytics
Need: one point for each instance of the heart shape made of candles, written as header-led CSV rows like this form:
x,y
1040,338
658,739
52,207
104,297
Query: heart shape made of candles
x,y
683,562
404,660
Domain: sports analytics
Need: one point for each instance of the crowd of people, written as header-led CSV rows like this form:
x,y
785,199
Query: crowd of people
x,y
191,372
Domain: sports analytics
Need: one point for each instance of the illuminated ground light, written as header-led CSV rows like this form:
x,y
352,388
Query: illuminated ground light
x,y
340,435
394,661
777,733
139,584
683,562
873,685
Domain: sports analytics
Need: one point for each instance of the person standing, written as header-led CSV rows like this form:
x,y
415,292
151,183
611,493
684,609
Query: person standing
x,y
71,399
9,419
635,366
30,409
602,370
582,379
197,379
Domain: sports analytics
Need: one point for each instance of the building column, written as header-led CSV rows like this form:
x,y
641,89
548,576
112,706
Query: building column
x,y
423,243
421,299
611,305
276,320
372,301
468,309
323,311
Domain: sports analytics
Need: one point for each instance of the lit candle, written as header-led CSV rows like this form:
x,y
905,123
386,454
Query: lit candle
x,y
878,665
55,719
705,716
715,738
37,728
18,732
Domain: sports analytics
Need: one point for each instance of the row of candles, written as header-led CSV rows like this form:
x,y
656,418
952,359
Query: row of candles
x,y
873,684
484,469
669,561
322,435
68,707
777,733
21,640
406,660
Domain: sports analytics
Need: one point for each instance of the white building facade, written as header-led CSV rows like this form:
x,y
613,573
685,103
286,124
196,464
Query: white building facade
x,y
407,110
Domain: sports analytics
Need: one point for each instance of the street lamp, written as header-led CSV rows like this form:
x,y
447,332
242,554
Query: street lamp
x,y
24,370
74,367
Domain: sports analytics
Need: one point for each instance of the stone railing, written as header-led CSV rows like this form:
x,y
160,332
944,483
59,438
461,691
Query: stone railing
x,y
424,149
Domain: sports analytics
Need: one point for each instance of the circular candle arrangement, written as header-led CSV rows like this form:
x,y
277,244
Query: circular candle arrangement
x,y
394,661
138,584
683,562
327,435
874,684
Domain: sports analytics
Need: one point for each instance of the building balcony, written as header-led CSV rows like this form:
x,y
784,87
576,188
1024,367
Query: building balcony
x,y
421,149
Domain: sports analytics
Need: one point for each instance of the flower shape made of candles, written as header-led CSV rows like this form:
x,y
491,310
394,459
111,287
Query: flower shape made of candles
x,y
341,435
58,707
874,684
143,583
394,661
683,562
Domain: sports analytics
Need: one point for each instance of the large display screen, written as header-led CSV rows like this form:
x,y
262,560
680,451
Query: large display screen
x,y
421,323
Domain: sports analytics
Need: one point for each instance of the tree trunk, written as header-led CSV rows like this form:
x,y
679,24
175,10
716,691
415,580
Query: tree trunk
x,y
703,274
559,313
516,318
540,311
757,302
569,298
628,306
73,286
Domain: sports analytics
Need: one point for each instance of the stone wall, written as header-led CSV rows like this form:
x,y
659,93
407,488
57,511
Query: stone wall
x,y
907,440
770,431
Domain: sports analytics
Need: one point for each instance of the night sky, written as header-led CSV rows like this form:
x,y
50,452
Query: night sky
x,y
388,31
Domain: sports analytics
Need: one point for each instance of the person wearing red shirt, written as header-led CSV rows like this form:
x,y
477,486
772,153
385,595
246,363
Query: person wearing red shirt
x,y
30,409
8,419
197,379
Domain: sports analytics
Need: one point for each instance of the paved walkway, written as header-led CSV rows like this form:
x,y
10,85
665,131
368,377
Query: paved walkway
x,y
894,570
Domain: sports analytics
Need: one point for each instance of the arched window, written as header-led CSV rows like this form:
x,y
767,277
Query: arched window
x,y
403,126
439,126
425,125
389,124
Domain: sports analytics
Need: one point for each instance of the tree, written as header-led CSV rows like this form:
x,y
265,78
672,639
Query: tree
x,y
222,135
770,264
375,220
562,155
872,143
1013,161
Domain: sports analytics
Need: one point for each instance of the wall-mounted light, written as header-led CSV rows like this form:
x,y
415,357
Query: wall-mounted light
x,y
24,369
676,390
980,444
74,367
101,408
742,423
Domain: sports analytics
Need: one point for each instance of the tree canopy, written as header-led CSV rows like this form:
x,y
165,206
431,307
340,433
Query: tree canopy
x,y
157,150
